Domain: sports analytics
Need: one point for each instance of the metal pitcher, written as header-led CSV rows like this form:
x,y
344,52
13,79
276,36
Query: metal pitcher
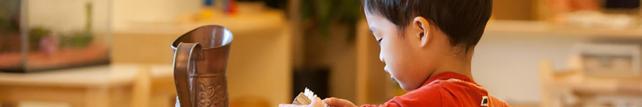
x,y
200,59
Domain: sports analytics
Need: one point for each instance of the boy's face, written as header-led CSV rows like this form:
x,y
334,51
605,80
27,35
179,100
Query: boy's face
x,y
406,62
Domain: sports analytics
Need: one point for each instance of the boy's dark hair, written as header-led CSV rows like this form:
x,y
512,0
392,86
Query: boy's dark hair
x,y
463,21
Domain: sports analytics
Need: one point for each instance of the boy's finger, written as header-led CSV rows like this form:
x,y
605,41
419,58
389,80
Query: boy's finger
x,y
330,101
317,103
290,105
335,102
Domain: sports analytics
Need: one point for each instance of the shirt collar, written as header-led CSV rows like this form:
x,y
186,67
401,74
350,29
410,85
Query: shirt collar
x,y
449,75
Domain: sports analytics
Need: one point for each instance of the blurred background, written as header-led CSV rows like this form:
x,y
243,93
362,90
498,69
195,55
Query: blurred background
x,y
116,53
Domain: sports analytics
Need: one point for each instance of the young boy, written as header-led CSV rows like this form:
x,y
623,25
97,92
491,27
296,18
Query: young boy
x,y
427,46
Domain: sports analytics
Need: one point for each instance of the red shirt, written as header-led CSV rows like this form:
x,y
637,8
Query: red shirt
x,y
445,90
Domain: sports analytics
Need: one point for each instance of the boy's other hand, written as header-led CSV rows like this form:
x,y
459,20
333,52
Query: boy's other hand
x,y
337,102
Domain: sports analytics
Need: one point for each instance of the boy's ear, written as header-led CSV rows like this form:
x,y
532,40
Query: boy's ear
x,y
424,34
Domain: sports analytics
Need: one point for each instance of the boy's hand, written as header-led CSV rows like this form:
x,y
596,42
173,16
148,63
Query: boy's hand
x,y
337,102
315,103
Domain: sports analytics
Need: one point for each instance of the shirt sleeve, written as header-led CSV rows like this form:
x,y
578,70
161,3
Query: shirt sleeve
x,y
423,97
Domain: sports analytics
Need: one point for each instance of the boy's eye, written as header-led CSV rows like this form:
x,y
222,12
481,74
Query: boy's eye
x,y
379,40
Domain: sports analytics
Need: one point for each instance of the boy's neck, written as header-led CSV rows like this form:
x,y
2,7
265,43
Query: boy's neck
x,y
457,63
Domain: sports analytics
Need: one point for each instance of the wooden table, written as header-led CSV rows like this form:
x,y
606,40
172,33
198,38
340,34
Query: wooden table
x,y
117,85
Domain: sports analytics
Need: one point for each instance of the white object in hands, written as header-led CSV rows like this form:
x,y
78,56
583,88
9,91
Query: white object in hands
x,y
307,98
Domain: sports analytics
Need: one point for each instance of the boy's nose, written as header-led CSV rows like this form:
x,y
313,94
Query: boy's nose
x,y
381,58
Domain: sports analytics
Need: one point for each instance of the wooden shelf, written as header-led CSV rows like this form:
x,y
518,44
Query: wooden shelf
x,y
248,18
558,86
519,28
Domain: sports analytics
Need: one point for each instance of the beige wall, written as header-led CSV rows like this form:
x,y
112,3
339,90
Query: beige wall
x,y
507,64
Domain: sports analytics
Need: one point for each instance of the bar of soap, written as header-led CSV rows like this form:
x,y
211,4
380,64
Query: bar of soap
x,y
304,98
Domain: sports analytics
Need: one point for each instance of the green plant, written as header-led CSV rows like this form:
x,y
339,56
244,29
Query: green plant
x,y
4,25
7,25
9,16
35,35
76,40
323,14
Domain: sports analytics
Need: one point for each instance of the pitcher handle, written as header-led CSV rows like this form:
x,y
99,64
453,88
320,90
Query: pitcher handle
x,y
185,58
